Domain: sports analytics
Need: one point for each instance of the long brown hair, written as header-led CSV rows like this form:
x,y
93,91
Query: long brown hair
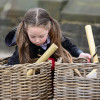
x,y
39,17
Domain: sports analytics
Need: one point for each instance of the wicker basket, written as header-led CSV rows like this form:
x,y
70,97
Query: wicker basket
x,y
16,85
79,60
82,60
67,86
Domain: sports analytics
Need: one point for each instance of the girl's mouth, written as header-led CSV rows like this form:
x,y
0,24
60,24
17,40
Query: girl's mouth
x,y
38,44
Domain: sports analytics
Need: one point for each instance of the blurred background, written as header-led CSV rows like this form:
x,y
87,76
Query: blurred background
x,y
72,16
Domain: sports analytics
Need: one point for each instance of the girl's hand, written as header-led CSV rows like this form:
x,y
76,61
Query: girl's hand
x,y
85,55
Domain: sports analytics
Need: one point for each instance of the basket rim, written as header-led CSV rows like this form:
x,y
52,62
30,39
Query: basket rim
x,y
76,65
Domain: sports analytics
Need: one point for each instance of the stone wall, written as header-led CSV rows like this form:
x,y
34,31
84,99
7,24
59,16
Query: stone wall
x,y
76,33
75,15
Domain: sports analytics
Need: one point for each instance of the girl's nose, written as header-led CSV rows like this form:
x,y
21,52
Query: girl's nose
x,y
37,40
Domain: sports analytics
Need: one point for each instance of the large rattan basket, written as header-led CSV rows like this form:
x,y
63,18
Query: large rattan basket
x,y
68,86
16,85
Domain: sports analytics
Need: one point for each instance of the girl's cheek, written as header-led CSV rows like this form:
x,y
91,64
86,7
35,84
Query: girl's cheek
x,y
32,40
44,40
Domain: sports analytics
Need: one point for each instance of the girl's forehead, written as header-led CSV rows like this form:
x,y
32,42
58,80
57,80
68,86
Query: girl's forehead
x,y
36,30
36,27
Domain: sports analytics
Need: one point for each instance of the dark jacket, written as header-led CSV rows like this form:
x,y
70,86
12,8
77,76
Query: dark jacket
x,y
10,40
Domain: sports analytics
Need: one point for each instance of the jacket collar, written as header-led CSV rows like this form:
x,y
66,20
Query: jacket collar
x,y
44,46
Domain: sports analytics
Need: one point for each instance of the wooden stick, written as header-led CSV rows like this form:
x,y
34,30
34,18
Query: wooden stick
x,y
91,43
44,57
48,53
77,71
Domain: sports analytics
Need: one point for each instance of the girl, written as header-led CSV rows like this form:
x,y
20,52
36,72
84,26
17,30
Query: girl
x,y
35,34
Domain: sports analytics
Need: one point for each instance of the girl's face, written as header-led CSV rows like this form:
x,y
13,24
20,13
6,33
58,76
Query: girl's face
x,y
37,35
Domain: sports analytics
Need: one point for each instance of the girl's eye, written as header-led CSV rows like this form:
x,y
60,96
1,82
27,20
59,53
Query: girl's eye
x,y
32,37
41,36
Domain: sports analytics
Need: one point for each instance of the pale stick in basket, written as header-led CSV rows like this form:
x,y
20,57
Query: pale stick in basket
x,y
77,71
44,57
91,43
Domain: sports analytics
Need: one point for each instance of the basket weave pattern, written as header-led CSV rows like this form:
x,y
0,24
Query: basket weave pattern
x,y
67,86
16,85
